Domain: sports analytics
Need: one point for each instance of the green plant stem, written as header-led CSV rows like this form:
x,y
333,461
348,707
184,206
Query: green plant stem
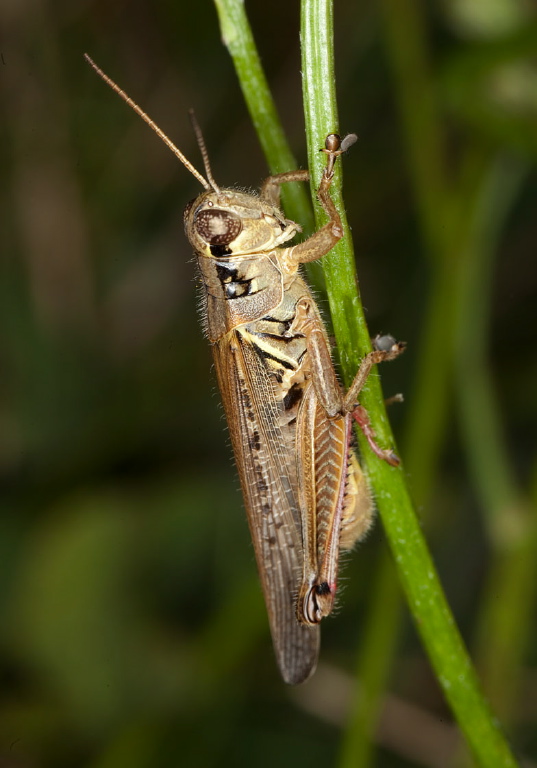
x,y
428,402
421,445
458,271
420,581
237,37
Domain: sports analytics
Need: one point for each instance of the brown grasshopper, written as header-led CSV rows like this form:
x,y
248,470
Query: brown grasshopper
x,y
305,494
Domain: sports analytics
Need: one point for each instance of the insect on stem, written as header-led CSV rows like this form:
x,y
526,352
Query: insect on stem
x,y
305,493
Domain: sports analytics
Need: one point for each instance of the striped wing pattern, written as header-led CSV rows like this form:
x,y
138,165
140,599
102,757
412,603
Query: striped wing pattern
x,y
267,462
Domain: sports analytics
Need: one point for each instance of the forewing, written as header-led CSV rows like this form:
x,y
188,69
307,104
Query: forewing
x,y
266,460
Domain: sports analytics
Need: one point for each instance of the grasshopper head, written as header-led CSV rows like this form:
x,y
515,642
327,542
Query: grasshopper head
x,y
232,223
219,222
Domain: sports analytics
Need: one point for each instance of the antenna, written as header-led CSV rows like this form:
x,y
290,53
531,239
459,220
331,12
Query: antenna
x,y
177,152
203,149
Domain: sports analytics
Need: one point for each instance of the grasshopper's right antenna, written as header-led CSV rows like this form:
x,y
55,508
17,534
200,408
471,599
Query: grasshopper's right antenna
x,y
177,152
203,149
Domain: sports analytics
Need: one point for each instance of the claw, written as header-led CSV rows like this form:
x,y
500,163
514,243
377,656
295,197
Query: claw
x,y
334,146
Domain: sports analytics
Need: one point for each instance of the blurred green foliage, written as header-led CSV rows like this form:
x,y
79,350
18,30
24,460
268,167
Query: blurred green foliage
x,y
132,626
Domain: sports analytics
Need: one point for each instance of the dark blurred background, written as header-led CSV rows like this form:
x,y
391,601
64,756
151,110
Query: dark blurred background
x,y
133,631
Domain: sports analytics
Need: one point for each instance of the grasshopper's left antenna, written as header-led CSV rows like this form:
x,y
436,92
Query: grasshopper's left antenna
x,y
176,151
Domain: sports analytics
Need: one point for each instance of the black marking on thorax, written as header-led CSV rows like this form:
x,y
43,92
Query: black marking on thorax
x,y
283,324
232,284
220,250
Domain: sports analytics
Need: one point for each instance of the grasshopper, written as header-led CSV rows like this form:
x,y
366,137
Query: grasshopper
x,y
305,494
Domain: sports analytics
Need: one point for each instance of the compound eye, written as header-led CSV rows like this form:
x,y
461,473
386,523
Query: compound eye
x,y
217,227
